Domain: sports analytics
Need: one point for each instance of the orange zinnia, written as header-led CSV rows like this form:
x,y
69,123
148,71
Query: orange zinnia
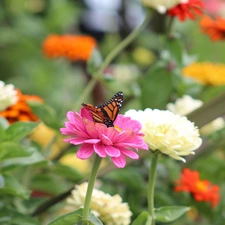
x,y
20,111
69,46
214,28
201,190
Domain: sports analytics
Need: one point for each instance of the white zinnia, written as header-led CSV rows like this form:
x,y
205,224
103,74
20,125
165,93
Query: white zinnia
x,y
160,5
8,95
109,209
186,105
171,134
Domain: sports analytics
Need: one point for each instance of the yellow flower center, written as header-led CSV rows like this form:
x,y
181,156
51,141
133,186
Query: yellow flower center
x,y
201,186
118,128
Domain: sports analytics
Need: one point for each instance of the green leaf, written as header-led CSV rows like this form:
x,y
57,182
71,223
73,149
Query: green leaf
x,y
75,218
143,218
67,172
174,45
19,130
94,61
156,88
170,213
10,217
34,157
11,186
69,219
12,150
46,113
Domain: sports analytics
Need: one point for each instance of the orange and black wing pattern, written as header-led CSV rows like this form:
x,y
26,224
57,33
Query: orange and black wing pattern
x,y
106,113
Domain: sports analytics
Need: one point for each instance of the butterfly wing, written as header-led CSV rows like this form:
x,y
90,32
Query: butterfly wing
x,y
107,112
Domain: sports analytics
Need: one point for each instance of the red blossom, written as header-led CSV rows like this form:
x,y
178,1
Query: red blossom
x,y
201,190
190,9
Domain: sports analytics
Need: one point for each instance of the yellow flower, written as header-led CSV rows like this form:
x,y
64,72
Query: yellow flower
x,y
206,72
109,209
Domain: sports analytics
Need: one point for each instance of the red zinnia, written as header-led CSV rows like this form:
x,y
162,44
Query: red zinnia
x,y
72,47
214,28
201,190
188,9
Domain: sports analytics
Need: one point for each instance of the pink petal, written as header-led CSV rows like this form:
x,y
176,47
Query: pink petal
x,y
105,140
124,136
84,112
99,148
111,151
120,161
75,140
92,141
91,130
130,154
112,133
85,151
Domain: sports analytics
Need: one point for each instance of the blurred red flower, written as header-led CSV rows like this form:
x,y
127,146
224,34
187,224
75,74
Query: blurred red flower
x,y
187,9
72,47
214,28
201,190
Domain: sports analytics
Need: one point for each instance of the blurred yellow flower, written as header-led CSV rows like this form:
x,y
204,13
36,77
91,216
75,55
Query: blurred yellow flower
x,y
206,72
71,160
143,56
110,209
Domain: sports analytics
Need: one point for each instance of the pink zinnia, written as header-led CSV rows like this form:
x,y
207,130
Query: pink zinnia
x,y
116,142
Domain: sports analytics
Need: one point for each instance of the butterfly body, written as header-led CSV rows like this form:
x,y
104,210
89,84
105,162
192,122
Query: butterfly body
x,y
106,113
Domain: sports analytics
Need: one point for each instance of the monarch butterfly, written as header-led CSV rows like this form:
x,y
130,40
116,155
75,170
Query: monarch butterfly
x,y
106,113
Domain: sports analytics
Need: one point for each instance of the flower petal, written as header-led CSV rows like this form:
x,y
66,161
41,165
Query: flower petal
x,y
85,151
112,152
120,161
130,153
99,148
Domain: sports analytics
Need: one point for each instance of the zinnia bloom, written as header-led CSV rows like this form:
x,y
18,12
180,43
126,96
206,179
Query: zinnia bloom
x,y
214,28
186,105
71,47
187,9
109,209
168,133
201,190
115,142
206,72
160,5
20,111
8,95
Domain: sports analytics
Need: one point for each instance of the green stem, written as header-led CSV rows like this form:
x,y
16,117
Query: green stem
x,y
169,27
85,93
92,178
151,186
123,44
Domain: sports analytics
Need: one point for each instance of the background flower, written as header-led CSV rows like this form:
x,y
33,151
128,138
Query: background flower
x,y
202,190
21,111
115,142
109,209
187,9
206,72
8,95
215,28
160,5
73,47
171,134
186,105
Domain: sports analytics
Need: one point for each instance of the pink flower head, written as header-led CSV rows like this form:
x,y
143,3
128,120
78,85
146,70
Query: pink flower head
x,y
116,142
